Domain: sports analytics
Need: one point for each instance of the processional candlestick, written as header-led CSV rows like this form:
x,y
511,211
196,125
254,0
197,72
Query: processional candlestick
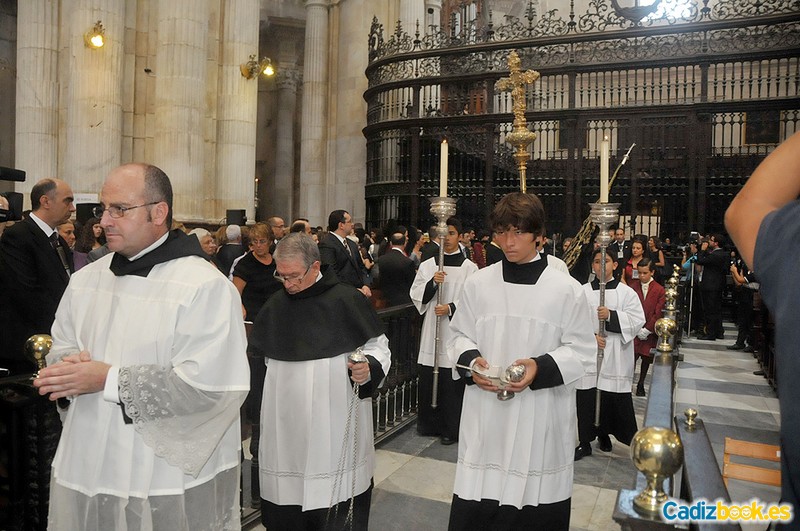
x,y
519,137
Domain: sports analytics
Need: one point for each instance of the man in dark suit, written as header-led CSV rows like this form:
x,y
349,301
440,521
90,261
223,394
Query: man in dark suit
x,y
35,266
341,254
394,272
622,251
715,261
232,249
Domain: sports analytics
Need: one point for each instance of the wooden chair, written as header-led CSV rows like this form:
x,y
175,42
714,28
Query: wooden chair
x,y
752,473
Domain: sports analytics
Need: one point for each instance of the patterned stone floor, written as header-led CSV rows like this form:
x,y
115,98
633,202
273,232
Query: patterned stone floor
x,y
414,475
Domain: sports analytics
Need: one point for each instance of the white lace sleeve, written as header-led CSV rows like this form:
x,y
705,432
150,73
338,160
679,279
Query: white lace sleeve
x,y
180,423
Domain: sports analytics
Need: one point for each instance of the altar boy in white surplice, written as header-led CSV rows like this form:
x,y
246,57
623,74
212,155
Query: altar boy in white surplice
x,y
515,457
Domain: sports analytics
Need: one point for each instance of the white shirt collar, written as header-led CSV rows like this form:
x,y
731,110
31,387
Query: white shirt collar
x,y
154,245
338,238
47,229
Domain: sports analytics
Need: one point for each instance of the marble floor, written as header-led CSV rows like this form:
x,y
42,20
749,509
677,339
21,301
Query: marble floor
x,y
414,474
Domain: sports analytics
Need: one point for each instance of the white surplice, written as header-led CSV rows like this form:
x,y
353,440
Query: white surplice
x,y
178,337
520,452
304,415
452,286
616,372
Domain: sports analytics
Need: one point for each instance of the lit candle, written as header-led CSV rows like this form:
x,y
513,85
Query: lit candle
x,y
443,170
604,170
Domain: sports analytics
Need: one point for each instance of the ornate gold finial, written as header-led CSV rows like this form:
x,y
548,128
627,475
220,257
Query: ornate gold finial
x,y
519,137
37,348
658,454
691,414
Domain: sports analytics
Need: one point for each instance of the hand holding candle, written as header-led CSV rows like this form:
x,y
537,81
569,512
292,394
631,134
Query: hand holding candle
x,y
604,170
443,170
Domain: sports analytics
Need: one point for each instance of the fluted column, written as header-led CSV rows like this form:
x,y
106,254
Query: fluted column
x,y
36,142
237,110
180,101
433,13
281,197
92,93
315,92
412,11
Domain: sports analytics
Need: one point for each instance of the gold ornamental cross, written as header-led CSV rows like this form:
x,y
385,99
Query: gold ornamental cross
x,y
519,137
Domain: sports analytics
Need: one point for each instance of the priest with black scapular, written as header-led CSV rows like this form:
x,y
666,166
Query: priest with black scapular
x,y
319,337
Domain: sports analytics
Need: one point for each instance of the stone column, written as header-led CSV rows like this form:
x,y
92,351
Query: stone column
x,y
36,143
237,110
432,18
315,92
181,66
412,11
282,192
91,93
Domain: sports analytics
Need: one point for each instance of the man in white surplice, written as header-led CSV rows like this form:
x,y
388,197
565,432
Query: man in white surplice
x,y
149,345
515,457
316,456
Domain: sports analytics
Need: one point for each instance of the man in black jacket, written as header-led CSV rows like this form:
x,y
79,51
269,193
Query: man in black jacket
x,y
35,266
714,260
394,272
341,254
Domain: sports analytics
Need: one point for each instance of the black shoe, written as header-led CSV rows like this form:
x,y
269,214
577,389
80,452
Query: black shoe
x,y
447,441
707,338
759,373
748,348
640,390
604,443
735,346
721,335
582,451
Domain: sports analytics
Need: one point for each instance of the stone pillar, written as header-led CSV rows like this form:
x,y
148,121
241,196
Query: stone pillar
x,y
433,14
237,110
315,92
179,140
412,11
282,192
36,142
91,93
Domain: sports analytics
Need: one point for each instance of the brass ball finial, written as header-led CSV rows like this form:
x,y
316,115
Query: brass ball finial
x,y
690,414
665,329
657,453
37,348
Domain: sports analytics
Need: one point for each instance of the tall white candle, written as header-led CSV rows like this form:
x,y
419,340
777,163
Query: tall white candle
x,y
604,170
443,170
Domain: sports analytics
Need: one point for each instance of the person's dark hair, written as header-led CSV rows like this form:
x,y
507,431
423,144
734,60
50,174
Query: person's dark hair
x,y
523,211
398,238
157,188
720,239
483,233
646,262
641,238
297,226
86,239
609,253
455,222
336,217
45,187
656,241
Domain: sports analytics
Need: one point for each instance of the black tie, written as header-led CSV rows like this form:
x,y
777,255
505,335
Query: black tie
x,y
347,247
56,244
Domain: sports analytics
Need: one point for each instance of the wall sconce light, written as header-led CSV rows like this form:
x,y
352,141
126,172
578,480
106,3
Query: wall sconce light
x,y
95,37
253,68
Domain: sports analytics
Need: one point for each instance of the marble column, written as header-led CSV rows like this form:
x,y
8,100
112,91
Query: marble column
x,y
181,66
433,14
411,12
91,93
36,135
237,110
313,152
282,192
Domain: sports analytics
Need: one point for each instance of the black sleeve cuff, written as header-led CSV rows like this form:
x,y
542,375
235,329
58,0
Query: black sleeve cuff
x,y
376,376
125,418
465,359
547,374
612,324
452,310
430,291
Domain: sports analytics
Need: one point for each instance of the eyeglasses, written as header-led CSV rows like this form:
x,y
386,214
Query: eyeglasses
x,y
290,280
117,212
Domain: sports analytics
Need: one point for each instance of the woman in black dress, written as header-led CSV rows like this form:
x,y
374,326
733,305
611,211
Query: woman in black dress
x,y
252,276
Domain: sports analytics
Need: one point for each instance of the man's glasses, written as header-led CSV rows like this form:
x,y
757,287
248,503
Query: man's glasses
x,y
117,212
290,280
